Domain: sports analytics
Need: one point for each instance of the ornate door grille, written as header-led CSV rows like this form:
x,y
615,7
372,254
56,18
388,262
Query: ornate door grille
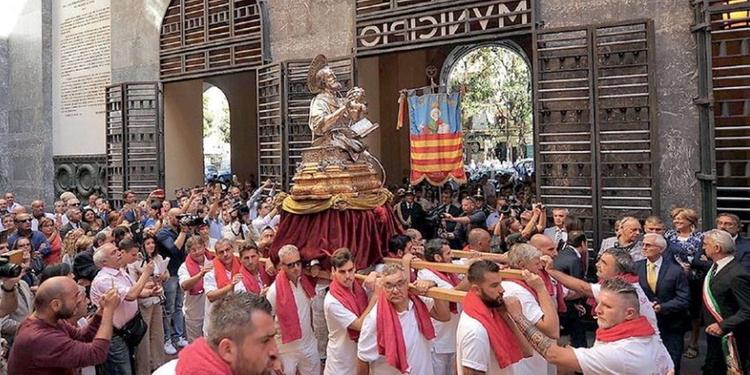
x,y
135,141
595,108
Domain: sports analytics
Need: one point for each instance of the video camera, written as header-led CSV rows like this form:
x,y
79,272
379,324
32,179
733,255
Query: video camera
x,y
9,267
189,220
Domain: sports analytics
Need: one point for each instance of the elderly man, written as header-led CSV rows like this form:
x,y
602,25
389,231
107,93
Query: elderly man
x,y
557,233
628,238
37,211
47,344
239,341
291,296
345,306
444,347
731,224
111,276
666,286
626,344
170,242
612,263
74,222
191,275
224,278
10,199
540,296
726,298
545,244
487,342
397,333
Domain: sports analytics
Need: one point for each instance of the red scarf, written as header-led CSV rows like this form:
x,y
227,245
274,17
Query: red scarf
x,y
193,268
450,278
502,340
288,318
628,277
220,271
630,328
250,281
554,290
355,300
199,359
391,336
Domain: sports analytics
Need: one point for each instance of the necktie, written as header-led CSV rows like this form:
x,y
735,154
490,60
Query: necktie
x,y
651,276
558,236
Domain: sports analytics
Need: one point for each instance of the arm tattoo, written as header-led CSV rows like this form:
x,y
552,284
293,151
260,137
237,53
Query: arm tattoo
x,y
536,338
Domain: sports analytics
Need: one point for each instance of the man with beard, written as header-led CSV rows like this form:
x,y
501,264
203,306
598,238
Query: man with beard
x,y
47,344
626,343
239,341
487,340
345,306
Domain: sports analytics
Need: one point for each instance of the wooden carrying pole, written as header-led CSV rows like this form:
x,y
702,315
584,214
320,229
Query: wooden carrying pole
x,y
452,268
436,293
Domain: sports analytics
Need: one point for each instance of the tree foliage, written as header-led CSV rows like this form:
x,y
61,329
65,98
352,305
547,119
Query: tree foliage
x,y
216,121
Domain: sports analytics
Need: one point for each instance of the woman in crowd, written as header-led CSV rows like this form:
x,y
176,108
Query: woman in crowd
x,y
47,227
90,218
684,243
69,245
149,353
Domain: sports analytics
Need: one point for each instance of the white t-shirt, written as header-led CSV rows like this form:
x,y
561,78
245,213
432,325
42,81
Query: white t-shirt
x,y
647,309
632,356
535,364
473,349
445,332
193,306
418,349
304,312
341,353
209,285
169,368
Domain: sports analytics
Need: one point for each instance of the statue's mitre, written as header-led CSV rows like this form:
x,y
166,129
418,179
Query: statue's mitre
x,y
318,63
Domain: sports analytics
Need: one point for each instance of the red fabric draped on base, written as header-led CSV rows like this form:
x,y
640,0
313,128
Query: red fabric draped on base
x,y
364,232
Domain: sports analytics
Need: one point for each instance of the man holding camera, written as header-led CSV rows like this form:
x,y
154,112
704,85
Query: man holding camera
x,y
170,242
472,218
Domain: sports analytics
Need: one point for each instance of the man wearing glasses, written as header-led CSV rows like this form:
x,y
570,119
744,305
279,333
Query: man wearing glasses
x,y
38,241
290,296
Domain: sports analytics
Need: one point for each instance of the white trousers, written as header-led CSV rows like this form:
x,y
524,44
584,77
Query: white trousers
x,y
305,359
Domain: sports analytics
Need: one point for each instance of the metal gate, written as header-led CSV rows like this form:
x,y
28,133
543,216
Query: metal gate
x,y
595,105
135,141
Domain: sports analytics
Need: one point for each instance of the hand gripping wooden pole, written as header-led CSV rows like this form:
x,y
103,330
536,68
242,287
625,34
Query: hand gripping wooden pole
x,y
452,268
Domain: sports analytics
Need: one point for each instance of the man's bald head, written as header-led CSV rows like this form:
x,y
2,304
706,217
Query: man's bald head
x,y
58,287
479,240
544,244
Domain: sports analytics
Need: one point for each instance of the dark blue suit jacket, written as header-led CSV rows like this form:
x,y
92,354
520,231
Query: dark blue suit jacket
x,y
742,252
672,293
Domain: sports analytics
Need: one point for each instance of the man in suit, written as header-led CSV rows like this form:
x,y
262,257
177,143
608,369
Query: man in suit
x,y
726,301
730,223
571,260
74,222
557,232
409,212
666,286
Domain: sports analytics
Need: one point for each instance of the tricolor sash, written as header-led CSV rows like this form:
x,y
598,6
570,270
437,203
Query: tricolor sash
x,y
728,344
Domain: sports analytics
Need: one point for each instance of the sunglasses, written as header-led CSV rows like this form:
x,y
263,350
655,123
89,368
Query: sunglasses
x,y
23,221
294,264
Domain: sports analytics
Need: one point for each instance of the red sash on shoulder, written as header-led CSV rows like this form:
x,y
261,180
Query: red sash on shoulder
x,y
220,271
390,334
502,340
450,278
250,281
288,318
554,290
355,300
199,359
525,286
193,268
630,328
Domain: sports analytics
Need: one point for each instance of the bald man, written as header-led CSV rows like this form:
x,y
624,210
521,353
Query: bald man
x,y
544,244
47,344
479,241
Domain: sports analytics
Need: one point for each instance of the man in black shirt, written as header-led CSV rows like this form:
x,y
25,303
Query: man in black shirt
x,y
170,242
472,218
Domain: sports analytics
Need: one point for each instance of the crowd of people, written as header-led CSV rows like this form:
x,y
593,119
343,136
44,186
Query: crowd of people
x,y
187,286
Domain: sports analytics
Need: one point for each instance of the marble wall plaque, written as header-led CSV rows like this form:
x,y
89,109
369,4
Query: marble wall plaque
x,y
81,70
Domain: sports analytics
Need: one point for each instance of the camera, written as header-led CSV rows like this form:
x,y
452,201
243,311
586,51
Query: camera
x,y
189,220
8,269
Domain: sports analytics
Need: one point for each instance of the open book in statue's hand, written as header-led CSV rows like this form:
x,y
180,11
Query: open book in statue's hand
x,y
364,127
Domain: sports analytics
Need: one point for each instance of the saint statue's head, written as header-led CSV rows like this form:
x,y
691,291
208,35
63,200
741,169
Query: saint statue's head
x,y
321,77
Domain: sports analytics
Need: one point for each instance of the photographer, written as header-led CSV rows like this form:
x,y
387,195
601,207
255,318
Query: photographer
x,y
239,226
170,242
435,225
472,218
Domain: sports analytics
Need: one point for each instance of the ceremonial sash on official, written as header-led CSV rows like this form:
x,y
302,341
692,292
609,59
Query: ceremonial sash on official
x,y
450,278
390,335
250,281
502,340
193,268
639,327
220,271
355,300
286,306
728,343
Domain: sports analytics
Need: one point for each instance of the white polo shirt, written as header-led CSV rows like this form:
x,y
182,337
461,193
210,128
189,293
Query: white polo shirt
x,y
341,352
535,364
473,349
209,285
647,309
418,349
631,356
304,312
445,332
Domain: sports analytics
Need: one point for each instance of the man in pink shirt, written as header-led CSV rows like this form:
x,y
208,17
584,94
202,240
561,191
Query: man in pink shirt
x,y
111,276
